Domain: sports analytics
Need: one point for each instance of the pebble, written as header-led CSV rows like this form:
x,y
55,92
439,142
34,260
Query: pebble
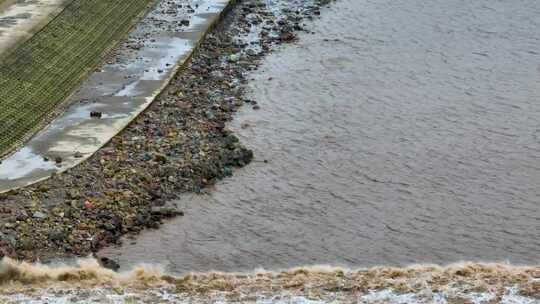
x,y
10,225
56,235
39,215
95,114
109,263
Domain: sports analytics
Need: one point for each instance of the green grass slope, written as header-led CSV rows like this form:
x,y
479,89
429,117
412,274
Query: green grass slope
x,y
42,72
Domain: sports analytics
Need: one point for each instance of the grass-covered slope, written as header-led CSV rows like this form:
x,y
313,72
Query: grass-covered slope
x,y
43,71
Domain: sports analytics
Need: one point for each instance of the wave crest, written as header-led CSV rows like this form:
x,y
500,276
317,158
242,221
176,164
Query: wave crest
x,y
465,282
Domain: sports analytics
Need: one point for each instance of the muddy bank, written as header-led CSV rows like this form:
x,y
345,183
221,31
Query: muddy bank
x,y
178,145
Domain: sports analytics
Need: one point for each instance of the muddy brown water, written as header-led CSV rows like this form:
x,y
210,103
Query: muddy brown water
x,y
400,132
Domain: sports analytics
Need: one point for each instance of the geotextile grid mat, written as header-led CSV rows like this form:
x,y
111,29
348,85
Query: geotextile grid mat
x,y
42,72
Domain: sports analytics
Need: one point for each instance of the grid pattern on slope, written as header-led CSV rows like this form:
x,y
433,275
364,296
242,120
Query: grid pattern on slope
x,y
42,72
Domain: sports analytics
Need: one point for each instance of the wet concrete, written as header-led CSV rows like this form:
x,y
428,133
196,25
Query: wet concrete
x,y
120,90
19,20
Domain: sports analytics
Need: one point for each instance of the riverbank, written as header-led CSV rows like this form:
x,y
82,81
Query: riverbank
x,y
178,145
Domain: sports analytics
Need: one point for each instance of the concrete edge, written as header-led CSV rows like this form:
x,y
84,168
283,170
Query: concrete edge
x,y
177,68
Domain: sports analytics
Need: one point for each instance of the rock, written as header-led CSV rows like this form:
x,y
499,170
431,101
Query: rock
x,y
10,240
68,212
210,114
147,157
10,225
109,227
74,204
78,155
234,58
166,211
96,114
21,216
43,188
242,157
162,158
141,219
109,263
231,141
27,244
58,159
88,205
251,52
227,171
40,215
287,37
57,235
74,194
217,74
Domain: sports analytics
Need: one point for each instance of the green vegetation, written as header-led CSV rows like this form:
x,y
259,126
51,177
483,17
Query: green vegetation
x,y
42,72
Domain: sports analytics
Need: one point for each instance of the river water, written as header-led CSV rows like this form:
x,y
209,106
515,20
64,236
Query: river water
x,y
400,132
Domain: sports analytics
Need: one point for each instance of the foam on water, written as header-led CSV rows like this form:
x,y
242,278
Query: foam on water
x,y
86,281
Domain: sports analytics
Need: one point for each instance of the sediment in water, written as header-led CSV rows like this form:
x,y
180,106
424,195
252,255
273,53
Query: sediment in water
x,y
458,283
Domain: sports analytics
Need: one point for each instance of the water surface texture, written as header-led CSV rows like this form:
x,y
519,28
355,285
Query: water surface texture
x,y
403,131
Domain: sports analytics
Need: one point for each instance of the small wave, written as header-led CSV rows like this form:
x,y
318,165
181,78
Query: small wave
x,y
86,272
86,281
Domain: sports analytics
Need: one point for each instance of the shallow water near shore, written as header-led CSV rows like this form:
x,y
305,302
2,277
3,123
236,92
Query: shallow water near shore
x,y
400,132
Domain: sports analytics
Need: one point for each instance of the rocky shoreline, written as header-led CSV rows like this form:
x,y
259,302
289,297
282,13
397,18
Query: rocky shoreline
x,y
179,144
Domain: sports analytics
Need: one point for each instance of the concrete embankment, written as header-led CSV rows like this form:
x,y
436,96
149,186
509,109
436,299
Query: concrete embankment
x,y
19,20
116,93
38,75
